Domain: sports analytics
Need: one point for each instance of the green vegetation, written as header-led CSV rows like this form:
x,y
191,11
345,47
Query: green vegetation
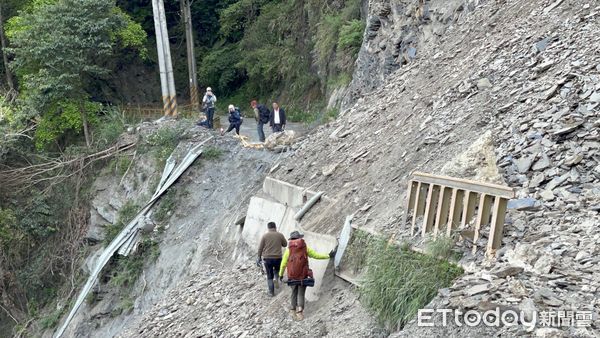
x,y
443,247
57,83
212,153
127,269
125,306
52,319
126,214
166,206
282,50
162,143
398,281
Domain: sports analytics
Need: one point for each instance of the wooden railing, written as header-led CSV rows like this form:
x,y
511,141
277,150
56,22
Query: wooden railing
x,y
446,203
153,111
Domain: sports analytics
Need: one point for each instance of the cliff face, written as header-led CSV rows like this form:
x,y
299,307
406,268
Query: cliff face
x,y
396,31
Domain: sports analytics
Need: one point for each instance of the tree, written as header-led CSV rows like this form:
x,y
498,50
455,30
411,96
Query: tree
x,y
61,49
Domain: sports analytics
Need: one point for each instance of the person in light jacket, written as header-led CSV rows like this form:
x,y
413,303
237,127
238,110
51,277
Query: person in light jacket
x,y
209,101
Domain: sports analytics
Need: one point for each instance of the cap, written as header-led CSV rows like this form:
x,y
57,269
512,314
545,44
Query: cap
x,y
296,235
208,89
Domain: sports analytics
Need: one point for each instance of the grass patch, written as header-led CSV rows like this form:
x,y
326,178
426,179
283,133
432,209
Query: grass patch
x,y
399,282
212,153
126,214
443,247
51,320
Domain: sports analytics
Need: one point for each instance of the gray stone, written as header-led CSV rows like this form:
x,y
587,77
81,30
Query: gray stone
x,y
524,164
536,180
557,181
484,83
543,265
542,163
547,195
541,45
574,159
477,289
509,271
524,204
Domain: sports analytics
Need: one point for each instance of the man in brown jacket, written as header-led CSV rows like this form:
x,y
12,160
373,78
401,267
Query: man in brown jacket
x,y
269,251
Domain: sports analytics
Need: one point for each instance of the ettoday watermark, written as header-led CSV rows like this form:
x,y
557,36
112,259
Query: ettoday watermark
x,y
500,318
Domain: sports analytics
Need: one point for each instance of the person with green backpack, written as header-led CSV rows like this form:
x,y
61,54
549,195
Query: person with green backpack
x,y
299,276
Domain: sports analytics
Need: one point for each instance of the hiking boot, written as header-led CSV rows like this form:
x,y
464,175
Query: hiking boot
x,y
271,287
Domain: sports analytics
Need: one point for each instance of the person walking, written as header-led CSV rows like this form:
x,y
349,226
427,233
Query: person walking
x,y
262,116
295,259
235,120
269,253
209,100
277,118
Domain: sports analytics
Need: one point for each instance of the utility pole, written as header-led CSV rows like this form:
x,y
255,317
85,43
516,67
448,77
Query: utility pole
x,y
167,80
3,44
191,57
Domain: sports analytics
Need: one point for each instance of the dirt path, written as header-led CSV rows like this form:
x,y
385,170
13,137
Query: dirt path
x,y
248,128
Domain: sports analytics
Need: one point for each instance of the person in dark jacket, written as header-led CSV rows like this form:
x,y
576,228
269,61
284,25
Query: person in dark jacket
x,y
235,120
269,251
277,118
261,115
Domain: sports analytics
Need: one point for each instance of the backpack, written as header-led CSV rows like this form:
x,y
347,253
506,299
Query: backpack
x,y
263,113
297,267
239,114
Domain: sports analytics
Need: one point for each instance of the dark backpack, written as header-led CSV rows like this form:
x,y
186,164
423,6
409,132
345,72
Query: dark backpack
x,y
297,267
264,115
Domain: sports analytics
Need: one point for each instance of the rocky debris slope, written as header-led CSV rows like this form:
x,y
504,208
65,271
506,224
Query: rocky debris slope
x,y
232,302
528,72
212,192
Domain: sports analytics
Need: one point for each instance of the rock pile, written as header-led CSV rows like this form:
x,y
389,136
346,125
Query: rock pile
x,y
528,72
221,302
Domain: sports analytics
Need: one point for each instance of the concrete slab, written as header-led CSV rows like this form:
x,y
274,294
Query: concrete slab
x,y
260,212
285,193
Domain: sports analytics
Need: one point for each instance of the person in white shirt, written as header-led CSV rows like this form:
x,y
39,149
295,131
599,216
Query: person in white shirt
x,y
277,122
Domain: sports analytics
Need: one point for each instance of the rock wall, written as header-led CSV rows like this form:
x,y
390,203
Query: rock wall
x,y
396,31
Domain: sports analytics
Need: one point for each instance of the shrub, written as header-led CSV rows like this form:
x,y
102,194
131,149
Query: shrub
x,y
52,319
351,36
212,153
129,268
162,143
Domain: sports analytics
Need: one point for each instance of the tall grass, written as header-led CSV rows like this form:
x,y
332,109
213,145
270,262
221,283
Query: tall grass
x,y
399,282
442,247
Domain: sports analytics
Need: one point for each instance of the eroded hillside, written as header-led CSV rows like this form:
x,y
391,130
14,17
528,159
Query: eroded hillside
x,y
499,91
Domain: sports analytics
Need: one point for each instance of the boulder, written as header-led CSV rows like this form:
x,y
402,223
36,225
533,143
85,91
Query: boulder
x,y
284,138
